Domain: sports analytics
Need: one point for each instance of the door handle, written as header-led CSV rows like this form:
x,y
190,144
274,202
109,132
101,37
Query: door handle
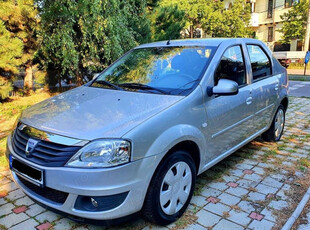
x,y
249,100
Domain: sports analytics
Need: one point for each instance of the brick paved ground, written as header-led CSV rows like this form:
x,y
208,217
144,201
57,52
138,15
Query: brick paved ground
x,y
252,189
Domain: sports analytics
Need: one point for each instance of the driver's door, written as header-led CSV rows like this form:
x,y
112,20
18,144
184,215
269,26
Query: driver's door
x,y
229,117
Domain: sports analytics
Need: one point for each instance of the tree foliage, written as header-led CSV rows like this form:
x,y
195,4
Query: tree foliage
x,y
211,16
167,23
79,37
294,22
21,21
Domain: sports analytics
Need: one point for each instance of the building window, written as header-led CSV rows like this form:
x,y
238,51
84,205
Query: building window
x,y
270,9
270,34
290,3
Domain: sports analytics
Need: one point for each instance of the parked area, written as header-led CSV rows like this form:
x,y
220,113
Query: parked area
x,y
258,187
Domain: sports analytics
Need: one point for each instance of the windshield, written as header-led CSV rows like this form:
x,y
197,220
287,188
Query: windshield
x,y
163,70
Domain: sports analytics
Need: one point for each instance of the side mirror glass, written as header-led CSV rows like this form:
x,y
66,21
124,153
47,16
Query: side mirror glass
x,y
224,87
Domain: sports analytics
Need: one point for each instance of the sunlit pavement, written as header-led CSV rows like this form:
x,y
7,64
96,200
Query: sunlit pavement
x,y
256,190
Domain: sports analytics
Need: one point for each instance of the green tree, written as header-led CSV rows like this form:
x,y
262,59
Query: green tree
x,y
166,23
21,20
211,16
234,21
81,37
294,22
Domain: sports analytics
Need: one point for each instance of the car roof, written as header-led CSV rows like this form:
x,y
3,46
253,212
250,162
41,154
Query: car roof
x,y
196,42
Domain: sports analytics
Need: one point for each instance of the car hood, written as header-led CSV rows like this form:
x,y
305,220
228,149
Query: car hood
x,y
90,113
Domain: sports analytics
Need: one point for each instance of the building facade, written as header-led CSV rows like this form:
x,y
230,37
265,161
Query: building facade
x,y
266,21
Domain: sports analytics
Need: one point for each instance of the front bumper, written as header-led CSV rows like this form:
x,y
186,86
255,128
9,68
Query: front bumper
x,y
131,179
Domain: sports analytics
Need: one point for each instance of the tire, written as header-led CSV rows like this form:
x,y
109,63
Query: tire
x,y
275,131
177,169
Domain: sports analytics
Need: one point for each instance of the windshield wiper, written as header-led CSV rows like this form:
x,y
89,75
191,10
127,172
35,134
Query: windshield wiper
x,y
103,82
142,86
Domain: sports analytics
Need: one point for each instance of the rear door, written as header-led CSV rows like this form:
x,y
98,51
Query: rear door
x,y
229,117
265,86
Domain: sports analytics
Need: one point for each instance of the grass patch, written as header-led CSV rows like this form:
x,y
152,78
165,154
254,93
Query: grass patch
x,y
9,112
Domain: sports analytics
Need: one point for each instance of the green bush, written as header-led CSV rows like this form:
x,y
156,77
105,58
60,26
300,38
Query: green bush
x,y
5,88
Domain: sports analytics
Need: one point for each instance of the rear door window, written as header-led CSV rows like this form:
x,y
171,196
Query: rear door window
x,y
260,63
231,66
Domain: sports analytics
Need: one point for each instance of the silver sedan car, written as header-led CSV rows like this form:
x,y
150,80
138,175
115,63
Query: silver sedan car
x,y
136,137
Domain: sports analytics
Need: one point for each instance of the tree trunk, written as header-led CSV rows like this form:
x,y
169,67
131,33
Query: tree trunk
x,y
28,81
191,31
59,84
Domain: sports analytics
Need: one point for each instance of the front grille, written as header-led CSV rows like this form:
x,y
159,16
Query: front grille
x,y
47,193
45,153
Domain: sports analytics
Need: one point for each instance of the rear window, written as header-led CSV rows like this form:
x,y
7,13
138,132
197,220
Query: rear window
x,y
261,65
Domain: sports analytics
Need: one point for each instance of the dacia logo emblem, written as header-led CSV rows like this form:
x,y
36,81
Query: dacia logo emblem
x,y
31,144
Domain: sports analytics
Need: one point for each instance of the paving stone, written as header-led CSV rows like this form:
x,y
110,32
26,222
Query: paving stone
x,y
253,177
44,226
256,216
226,224
272,182
27,224
63,223
35,209
16,194
232,184
213,199
239,217
278,204
261,225
218,185
237,191
269,215
230,178
287,163
250,162
247,183
265,189
193,227
229,199
265,165
210,192
255,196
243,166
2,201
206,218
20,209
278,177
248,171
47,216
13,219
6,209
199,201
217,208
24,201
236,172
259,170
246,206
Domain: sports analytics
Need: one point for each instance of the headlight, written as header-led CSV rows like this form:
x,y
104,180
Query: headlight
x,y
102,153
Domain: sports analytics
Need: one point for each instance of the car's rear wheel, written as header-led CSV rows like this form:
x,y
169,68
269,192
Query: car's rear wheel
x,y
171,189
275,131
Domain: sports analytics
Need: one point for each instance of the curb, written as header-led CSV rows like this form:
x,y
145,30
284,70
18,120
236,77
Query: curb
x,y
289,223
295,77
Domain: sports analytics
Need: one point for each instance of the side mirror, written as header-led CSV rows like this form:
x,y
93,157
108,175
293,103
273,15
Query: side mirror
x,y
224,87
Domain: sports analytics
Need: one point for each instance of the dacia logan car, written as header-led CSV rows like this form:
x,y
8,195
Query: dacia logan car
x,y
135,138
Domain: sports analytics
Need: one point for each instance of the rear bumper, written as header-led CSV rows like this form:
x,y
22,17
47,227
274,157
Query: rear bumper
x,y
131,179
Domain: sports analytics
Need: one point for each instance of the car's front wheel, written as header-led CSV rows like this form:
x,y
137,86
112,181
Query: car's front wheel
x,y
275,131
171,189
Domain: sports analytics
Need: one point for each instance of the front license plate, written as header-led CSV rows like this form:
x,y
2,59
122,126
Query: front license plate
x,y
30,173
